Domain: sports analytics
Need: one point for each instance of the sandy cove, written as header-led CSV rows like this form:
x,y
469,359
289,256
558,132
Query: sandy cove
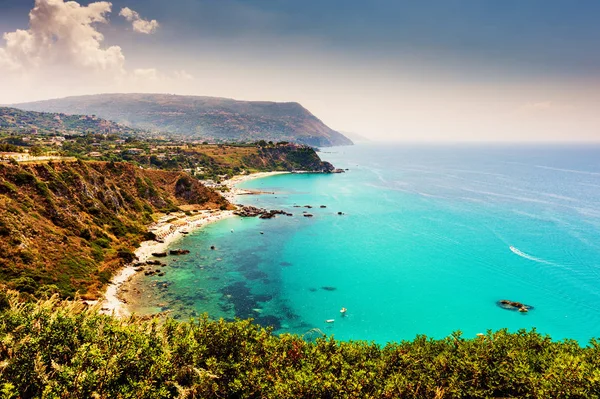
x,y
239,179
168,231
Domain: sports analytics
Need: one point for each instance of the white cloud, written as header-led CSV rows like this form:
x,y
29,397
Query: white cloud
x,y
61,33
139,24
146,74
183,75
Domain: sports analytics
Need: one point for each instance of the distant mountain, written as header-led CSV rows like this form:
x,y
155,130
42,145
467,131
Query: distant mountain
x,y
44,122
203,118
355,137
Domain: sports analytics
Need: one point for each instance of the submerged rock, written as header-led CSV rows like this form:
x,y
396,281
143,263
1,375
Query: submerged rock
x,y
179,252
512,305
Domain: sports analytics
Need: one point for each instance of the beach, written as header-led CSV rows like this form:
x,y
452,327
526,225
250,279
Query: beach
x,y
232,183
168,230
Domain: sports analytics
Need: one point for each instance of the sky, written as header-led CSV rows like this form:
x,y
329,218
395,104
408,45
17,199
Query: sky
x,y
395,70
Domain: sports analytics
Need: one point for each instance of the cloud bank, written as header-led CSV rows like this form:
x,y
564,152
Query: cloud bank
x,y
64,52
62,33
139,24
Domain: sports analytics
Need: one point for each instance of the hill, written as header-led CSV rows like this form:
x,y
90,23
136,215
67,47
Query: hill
x,y
202,118
17,120
356,138
66,226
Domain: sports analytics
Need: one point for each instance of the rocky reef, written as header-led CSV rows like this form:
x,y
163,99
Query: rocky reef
x,y
251,211
512,305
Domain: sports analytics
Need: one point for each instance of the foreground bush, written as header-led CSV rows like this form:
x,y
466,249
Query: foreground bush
x,y
65,350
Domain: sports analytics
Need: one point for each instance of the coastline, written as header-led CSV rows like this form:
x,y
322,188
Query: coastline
x,y
169,231
239,179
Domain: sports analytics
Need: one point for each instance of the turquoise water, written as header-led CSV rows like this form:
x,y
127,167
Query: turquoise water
x,y
431,238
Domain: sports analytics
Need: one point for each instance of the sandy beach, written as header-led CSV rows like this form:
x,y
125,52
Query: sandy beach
x,y
232,183
169,229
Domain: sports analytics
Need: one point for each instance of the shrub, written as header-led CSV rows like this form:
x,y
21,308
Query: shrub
x,y
21,178
4,300
68,350
47,290
24,284
126,255
86,234
102,242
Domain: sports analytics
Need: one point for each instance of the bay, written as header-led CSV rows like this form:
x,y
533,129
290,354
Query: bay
x,y
430,239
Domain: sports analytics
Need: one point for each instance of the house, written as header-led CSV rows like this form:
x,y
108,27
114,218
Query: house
x,y
135,151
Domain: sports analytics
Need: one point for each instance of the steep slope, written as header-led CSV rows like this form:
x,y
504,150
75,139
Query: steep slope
x,y
204,118
13,119
66,226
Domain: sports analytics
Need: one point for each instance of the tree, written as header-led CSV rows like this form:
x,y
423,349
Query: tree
x,y
36,151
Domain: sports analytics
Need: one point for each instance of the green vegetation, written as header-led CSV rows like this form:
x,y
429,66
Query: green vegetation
x,y
93,139
66,226
65,350
69,223
16,120
40,133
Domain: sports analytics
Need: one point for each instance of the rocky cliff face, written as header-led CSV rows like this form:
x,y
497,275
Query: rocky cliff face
x,y
65,227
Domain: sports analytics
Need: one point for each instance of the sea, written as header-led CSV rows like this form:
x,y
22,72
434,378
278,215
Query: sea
x,y
410,240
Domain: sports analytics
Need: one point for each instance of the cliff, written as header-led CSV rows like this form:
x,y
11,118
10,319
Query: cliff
x,y
65,227
203,118
288,158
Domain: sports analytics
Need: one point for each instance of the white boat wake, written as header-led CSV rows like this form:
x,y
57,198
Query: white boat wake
x,y
522,254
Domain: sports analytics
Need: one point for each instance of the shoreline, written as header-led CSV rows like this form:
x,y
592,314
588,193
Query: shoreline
x,y
169,231
239,179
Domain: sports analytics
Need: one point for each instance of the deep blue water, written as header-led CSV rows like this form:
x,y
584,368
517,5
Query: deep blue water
x,y
431,238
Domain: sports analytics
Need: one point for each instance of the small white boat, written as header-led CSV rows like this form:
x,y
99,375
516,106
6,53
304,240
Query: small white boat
x,y
329,320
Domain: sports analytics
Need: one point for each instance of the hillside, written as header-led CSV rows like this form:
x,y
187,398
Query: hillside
x,y
17,120
202,118
67,226
231,159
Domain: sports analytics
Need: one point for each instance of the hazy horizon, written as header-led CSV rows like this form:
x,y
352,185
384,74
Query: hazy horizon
x,y
436,71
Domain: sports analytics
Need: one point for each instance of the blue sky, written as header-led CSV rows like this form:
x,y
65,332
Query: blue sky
x,y
494,59
556,36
